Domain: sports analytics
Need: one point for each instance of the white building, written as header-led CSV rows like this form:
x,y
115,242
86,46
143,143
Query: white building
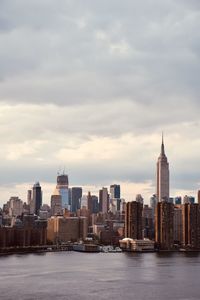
x,y
128,244
15,207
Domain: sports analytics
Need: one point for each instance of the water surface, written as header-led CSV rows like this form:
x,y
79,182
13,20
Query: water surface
x,y
76,276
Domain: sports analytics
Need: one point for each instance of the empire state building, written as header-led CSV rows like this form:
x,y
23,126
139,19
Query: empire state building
x,y
162,175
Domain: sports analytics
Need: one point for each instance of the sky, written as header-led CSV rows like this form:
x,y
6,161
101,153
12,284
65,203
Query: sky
x,y
89,86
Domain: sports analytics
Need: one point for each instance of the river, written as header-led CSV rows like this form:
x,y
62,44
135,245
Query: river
x,y
76,276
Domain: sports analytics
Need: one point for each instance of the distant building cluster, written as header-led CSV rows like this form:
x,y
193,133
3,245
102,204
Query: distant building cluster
x,y
107,219
71,216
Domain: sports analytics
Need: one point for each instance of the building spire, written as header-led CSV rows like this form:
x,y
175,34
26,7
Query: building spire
x,y
162,145
162,174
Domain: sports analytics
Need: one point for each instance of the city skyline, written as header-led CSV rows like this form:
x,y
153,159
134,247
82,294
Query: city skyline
x,y
90,87
100,139
129,189
162,190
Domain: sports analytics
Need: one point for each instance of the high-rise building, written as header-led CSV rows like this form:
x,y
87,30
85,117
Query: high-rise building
x,y
162,175
178,224
29,196
56,205
115,205
164,225
63,190
37,197
133,220
139,198
89,202
103,200
92,203
188,199
95,202
115,191
198,196
70,197
178,200
84,202
76,195
153,203
15,207
191,225
115,200
148,222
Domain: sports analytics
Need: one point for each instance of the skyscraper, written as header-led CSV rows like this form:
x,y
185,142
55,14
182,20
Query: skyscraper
x,y
198,196
115,200
37,197
162,175
164,225
148,222
178,224
188,199
56,205
15,207
92,203
103,200
115,191
76,195
191,225
178,200
29,196
133,220
89,202
62,189
153,203
139,198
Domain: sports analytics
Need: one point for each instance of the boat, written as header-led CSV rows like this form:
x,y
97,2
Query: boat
x,y
84,247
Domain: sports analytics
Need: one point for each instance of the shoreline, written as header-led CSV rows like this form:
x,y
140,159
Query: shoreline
x,y
33,249
37,250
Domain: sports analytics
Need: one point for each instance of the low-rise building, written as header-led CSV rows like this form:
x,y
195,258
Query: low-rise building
x,y
27,231
64,229
128,244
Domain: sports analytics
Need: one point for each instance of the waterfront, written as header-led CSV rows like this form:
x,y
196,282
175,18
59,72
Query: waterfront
x,y
73,276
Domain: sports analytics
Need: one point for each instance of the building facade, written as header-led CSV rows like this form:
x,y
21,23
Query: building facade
x,y
191,225
103,200
65,229
133,220
148,222
37,197
76,195
56,205
178,224
164,225
115,191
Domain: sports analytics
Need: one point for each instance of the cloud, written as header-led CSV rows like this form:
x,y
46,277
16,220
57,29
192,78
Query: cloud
x,y
139,52
92,85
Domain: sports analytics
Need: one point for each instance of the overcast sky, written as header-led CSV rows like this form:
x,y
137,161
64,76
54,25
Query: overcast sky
x,y
90,85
